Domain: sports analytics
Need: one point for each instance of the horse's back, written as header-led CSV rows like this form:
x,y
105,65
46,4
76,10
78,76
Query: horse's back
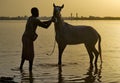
x,y
79,30
80,34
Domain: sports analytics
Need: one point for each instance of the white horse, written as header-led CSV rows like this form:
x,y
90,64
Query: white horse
x,y
67,34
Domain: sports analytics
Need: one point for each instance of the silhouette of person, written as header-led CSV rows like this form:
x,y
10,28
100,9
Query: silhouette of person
x,y
29,36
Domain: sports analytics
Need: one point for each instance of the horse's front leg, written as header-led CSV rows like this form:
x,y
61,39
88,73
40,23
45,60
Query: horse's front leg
x,y
61,48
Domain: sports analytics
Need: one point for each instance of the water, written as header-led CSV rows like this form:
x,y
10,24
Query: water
x,y
75,68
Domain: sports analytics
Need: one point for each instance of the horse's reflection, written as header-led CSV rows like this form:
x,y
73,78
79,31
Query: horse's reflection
x,y
60,78
92,75
27,78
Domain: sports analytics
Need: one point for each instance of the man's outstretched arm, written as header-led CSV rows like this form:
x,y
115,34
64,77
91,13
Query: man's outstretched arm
x,y
44,24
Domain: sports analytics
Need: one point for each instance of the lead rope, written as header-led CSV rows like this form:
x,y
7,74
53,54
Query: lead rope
x,y
52,49
54,43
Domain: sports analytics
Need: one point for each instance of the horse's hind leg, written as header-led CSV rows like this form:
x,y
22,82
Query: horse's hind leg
x,y
61,48
89,50
96,54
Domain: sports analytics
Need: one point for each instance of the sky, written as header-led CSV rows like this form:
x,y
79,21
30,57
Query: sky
x,y
82,7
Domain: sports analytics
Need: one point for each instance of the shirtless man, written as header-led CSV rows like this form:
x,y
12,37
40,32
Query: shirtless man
x,y
29,36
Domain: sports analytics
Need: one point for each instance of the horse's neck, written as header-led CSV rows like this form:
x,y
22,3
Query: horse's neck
x,y
59,23
58,26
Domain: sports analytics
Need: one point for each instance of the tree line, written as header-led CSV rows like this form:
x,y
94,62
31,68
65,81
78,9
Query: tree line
x,y
65,18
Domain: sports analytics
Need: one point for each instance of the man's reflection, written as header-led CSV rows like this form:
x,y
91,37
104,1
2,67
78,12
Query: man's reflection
x,y
27,78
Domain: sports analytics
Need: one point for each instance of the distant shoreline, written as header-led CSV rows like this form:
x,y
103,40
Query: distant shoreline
x,y
65,18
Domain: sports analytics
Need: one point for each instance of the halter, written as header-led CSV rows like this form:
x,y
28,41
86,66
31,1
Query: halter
x,y
57,9
56,20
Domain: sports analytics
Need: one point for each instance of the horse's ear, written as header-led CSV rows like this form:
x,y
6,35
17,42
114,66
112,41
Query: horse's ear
x,y
62,6
53,4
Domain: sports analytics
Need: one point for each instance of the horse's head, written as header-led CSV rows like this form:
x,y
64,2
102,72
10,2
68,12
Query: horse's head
x,y
57,10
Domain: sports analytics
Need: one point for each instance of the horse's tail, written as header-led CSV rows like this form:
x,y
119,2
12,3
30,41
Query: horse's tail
x,y
99,47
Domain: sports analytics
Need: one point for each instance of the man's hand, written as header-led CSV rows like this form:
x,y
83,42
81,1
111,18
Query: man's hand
x,y
53,19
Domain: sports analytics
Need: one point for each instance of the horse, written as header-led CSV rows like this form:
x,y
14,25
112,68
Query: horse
x,y
67,34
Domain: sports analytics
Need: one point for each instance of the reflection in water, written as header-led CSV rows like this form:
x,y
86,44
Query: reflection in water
x,y
60,78
92,75
27,78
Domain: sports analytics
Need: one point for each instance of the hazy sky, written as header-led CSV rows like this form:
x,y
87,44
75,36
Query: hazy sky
x,y
82,7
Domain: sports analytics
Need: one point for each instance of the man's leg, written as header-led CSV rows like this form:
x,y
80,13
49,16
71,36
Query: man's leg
x,y
30,65
22,62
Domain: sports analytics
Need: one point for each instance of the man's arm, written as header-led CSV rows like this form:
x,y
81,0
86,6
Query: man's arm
x,y
47,23
44,24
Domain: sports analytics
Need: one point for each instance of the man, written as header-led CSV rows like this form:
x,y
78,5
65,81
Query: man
x,y
30,36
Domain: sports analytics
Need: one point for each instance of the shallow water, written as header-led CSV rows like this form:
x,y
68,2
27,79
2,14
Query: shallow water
x,y
75,68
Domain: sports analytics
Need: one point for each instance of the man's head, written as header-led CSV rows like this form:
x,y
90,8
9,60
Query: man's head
x,y
35,12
